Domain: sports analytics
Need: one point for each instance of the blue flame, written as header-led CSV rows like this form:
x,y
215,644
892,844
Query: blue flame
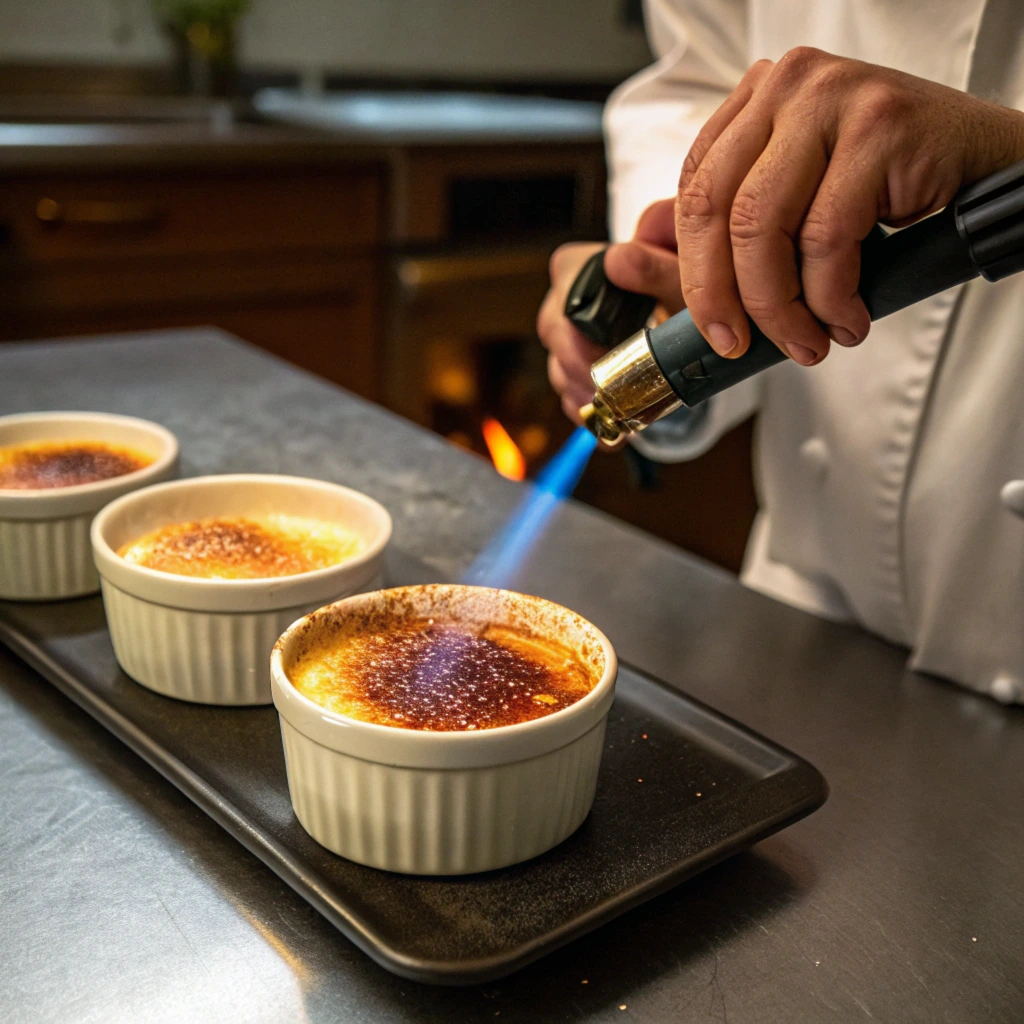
x,y
496,565
561,475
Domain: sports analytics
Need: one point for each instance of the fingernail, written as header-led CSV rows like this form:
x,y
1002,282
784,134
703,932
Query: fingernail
x,y
802,354
722,339
841,335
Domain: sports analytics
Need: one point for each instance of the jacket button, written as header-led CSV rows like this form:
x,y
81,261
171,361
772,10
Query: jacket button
x,y
1006,688
1013,496
816,456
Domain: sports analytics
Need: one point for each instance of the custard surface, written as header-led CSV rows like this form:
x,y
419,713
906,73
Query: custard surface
x,y
45,465
439,676
239,548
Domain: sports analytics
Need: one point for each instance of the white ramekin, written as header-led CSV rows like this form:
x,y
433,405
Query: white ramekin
x,y
44,535
208,640
444,803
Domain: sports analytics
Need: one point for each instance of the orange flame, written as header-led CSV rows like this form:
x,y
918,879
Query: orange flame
x,y
505,454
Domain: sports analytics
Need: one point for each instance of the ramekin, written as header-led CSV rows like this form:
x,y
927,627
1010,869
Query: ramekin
x,y
44,535
209,640
445,803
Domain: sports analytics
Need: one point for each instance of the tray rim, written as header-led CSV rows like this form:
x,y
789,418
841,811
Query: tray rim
x,y
437,972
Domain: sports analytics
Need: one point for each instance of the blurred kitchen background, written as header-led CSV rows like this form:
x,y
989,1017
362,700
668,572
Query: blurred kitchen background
x,y
368,188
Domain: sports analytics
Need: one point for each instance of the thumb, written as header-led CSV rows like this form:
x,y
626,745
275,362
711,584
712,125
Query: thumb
x,y
657,225
648,269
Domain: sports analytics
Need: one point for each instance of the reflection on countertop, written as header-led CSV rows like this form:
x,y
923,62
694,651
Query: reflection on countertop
x,y
407,118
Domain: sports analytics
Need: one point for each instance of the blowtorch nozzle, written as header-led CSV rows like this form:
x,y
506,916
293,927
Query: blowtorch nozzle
x,y
630,391
599,421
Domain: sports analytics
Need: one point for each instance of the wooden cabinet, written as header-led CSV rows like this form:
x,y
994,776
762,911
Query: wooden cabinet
x,y
456,195
285,257
307,258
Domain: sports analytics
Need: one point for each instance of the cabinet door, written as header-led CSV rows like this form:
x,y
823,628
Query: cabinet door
x,y
329,338
319,315
195,211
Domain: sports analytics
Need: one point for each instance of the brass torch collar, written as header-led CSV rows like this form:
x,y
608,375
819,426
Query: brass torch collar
x,y
630,391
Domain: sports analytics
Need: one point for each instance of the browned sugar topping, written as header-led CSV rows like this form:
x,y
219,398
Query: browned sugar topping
x,y
45,466
439,677
235,548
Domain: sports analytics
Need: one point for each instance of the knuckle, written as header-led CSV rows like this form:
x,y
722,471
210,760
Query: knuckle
x,y
766,309
746,219
798,63
698,302
832,76
820,236
759,68
691,162
880,101
695,205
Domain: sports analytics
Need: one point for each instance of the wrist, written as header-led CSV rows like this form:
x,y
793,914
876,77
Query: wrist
x,y
993,141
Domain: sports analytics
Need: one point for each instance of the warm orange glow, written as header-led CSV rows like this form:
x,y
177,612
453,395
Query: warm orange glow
x,y
533,439
507,458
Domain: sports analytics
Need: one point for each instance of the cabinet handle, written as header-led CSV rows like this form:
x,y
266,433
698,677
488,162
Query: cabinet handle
x,y
416,274
130,213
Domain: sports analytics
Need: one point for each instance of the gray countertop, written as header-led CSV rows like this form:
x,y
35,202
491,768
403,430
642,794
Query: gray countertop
x,y
26,147
901,900
283,126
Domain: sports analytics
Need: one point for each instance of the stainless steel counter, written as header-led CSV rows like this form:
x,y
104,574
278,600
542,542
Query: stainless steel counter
x,y
900,901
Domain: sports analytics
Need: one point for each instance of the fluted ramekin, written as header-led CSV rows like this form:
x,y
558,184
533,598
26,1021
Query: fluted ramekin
x,y
209,640
444,803
44,535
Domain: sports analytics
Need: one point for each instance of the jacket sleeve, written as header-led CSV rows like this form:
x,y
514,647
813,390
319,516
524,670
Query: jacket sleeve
x,y
652,119
650,123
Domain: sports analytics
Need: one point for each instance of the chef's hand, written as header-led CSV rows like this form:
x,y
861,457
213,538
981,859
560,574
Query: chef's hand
x,y
792,172
647,265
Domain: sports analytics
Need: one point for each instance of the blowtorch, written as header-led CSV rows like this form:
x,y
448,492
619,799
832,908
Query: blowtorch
x,y
655,370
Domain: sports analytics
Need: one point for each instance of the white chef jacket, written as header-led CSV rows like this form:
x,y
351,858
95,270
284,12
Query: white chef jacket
x,y
891,476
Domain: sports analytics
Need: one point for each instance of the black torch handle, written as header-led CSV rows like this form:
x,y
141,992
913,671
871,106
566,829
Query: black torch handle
x,y
981,232
897,270
605,313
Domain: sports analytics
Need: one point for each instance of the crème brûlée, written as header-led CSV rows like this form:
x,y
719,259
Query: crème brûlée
x,y
241,548
44,465
439,676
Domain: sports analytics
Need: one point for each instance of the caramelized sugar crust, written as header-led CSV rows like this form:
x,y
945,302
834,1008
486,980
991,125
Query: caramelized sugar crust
x,y
237,548
441,676
48,464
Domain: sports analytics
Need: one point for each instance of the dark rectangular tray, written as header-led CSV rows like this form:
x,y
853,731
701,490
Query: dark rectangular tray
x,y
681,787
